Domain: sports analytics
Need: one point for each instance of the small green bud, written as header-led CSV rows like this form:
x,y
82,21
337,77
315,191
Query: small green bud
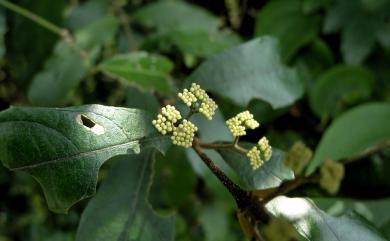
x,y
331,174
298,157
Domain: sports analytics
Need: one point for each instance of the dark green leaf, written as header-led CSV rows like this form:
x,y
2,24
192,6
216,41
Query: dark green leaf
x,y
339,88
29,43
64,70
271,174
286,21
315,225
145,70
63,149
120,210
251,70
353,133
358,38
136,98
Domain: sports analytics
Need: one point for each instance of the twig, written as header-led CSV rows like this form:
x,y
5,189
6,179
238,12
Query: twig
x,y
61,32
234,146
241,196
288,186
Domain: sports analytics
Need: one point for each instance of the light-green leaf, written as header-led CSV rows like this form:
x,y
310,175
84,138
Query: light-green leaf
x,y
353,133
270,175
340,87
63,148
286,21
120,210
145,70
315,225
64,70
251,70
372,210
166,16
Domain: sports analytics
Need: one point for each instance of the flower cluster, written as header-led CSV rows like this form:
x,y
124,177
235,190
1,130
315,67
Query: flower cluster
x,y
167,119
254,158
197,94
242,121
183,135
260,153
331,174
298,157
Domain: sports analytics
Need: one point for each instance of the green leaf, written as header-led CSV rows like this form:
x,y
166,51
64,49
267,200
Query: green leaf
x,y
251,70
340,87
63,149
286,21
202,43
191,29
270,175
145,70
313,60
372,210
64,70
166,190
315,225
166,16
358,39
120,210
353,133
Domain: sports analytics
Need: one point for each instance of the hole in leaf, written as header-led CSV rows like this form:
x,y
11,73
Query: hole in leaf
x,y
86,121
90,125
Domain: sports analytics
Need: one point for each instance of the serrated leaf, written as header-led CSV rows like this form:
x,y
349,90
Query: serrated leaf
x,y
356,131
286,21
315,225
144,70
64,70
271,174
63,148
120,210
251,70
339,88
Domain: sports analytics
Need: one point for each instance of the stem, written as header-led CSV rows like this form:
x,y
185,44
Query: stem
x,y
35,18
241,196
288,186
192,112
233,146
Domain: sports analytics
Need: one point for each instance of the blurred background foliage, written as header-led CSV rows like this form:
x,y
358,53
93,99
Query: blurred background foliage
x,y
137,53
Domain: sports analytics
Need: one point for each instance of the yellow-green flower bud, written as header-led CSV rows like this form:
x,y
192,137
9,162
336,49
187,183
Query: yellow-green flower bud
x,y
331,174
166,120
254,158
187,97
183,135
298,157
265,148
242,121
